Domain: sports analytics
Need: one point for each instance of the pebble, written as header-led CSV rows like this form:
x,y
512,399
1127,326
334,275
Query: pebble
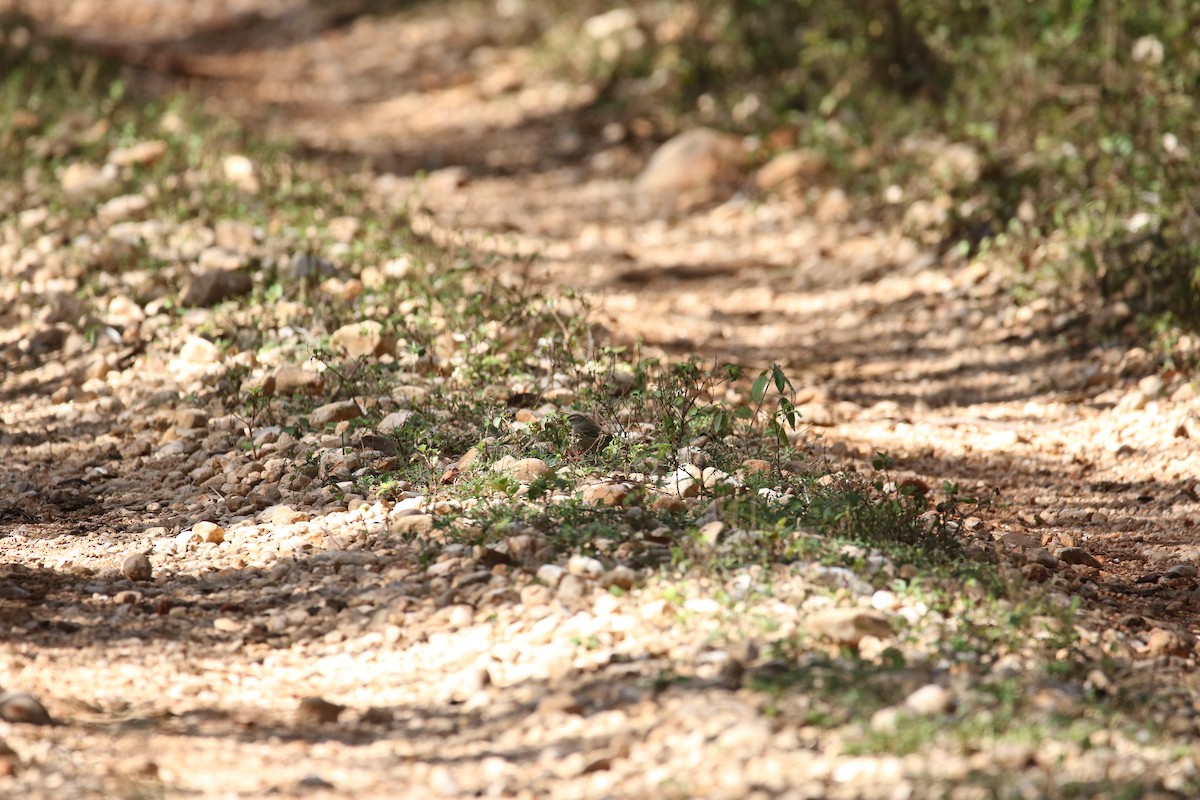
x,y
1077,555
699,161
141,153
235,235
239,170
208,287
365,339
209,532
848,626
1040,555
572,588
339,411
1163,642
136,567
394,421
790,170
22,707
120,209
930,699
585,566
757,466
318,711
606,494
621,577
551,574
80,178
408,524
527,470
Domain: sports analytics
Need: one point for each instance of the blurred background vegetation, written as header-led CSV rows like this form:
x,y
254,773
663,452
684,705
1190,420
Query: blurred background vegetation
x,y
1079,118
1058,135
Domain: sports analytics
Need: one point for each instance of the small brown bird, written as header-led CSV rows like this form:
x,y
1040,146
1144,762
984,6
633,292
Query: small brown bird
x,y
589,434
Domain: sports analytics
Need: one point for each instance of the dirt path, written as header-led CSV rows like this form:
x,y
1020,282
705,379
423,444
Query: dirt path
x,y
1080,445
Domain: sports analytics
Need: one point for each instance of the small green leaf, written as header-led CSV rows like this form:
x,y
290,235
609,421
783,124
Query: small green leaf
x,y
781,381
759,389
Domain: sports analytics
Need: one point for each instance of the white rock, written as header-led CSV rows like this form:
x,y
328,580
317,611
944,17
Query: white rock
x,y
585,566
930,699
551,574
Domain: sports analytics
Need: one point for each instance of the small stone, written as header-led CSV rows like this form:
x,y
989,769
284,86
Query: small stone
x,y
191,418
363,339
1021,540
220,259
140,153
621,577
1163,642
137,568
711,477
239,171
789,170
956,164
534,595
551,574
234,234
47,340
1077,555
832,207
527,470
306,266
886,720
318,711
209,532
667,503
199,351
291,379
395,421
701,161
80,178
710,532
756,466
227,625
410,524
605,494
23,707
1180,571
686,482
571,588
208,287
1040,555
339,411
560,703
1036,572
848,626
285,515
119,209
585,566
930,699
310,782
